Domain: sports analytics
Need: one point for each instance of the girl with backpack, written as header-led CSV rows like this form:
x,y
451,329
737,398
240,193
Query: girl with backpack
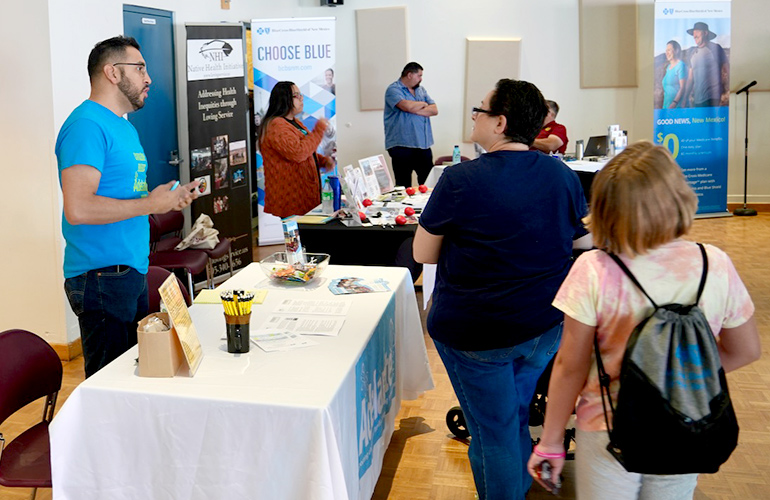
x,y
641,206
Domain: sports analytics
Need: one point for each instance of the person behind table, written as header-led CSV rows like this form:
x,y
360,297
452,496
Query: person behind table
x,y
553,136
292,177
408,134
641,207
501,228
675,79
709,73
103,177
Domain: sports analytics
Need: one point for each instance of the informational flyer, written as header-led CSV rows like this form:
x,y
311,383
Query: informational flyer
x,y
376,167
308,306
183,325
275,340
329,326
351,285
294,254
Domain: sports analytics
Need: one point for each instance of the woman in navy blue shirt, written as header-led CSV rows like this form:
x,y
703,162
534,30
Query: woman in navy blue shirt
x,y
501,229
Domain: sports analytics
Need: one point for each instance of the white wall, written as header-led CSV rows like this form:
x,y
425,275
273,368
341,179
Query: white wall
x,y
45,77
31,295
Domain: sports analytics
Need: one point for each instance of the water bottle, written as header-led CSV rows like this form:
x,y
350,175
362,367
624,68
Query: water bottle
x,y
456,155
336,190
327,198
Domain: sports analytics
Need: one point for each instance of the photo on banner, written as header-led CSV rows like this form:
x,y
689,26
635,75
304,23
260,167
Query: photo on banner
x,y
218,134
691,93
300,51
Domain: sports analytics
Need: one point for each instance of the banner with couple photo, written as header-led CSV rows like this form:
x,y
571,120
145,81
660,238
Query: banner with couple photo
x,y
301,51
692,93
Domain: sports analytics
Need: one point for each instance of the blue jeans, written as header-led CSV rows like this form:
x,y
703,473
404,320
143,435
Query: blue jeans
x,y
495,388
108,302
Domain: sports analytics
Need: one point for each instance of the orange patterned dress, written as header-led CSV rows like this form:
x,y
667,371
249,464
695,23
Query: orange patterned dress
x,y
292,179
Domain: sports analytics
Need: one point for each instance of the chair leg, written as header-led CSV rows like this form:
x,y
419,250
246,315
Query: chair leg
x,y
209,274
230,256
190,286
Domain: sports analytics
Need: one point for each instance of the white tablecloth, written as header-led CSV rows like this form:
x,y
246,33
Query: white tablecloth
x,y
277,426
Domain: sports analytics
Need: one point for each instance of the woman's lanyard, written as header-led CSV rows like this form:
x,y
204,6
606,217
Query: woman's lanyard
x,y
296,125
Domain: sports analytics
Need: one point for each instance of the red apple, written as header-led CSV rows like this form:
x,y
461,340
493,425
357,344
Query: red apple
x,y
423,188
400,220
410,191
409,211
367,202
362,216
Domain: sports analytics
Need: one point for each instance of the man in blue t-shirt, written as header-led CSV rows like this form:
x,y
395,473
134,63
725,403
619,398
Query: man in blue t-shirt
x,y
408,135
103,175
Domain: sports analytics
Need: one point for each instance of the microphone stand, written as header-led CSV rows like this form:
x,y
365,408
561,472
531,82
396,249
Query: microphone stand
x,y
746,211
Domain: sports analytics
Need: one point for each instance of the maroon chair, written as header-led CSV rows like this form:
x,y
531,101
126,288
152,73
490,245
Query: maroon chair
x,y
166,230
442,159
223,248
163,254
155,277
29,370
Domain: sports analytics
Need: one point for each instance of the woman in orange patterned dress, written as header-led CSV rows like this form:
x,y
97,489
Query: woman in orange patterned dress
x,y
292,166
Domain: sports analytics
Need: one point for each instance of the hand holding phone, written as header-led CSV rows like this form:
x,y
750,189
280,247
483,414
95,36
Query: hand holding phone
x,y
545,475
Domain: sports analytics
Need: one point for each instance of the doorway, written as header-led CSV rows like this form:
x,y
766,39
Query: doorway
x,y
156,122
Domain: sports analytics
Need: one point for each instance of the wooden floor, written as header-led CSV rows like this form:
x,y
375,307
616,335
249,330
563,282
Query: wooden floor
x,y
424,462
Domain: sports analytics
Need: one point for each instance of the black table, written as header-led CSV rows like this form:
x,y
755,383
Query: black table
x,y
367,246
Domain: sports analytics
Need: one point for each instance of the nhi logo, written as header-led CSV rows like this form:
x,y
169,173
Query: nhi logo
x,y
215,50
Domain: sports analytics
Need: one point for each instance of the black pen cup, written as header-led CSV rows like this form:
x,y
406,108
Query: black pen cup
x,y
238,340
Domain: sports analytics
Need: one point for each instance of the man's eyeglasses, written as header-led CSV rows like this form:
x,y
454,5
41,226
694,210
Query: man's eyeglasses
x,y
476,111
141,67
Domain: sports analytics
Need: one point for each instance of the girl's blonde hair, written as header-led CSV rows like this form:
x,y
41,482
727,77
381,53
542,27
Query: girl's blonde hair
x,y
639,201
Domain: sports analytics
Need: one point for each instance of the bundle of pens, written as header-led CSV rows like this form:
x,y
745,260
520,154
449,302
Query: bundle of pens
x,y
237,302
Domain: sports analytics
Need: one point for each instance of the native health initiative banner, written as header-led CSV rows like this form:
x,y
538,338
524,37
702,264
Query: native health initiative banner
x,y
375,394
691,96
300,51
218,132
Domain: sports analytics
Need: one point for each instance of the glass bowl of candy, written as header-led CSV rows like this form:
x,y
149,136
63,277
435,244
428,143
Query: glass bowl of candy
x,y
278,268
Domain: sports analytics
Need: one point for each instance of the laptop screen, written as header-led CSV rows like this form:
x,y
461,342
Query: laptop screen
x,y
597,146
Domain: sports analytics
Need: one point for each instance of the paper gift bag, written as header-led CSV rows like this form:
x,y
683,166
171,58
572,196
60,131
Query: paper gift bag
x,y
160,353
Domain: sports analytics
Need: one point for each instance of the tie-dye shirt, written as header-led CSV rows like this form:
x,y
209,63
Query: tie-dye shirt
x,y
597,293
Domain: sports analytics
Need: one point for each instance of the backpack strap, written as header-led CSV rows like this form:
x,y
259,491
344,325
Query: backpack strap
x,y
604,386
625,269
702,284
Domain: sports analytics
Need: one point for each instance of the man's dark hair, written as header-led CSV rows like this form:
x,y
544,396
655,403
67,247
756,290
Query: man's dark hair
x,y
107,49
281,103
411,67
523,106
553,107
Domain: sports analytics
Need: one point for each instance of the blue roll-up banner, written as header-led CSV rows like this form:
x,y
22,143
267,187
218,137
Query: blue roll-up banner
x,y
301,51
692,93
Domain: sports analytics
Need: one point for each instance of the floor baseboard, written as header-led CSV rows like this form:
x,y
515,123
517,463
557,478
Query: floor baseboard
x,y
68,352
